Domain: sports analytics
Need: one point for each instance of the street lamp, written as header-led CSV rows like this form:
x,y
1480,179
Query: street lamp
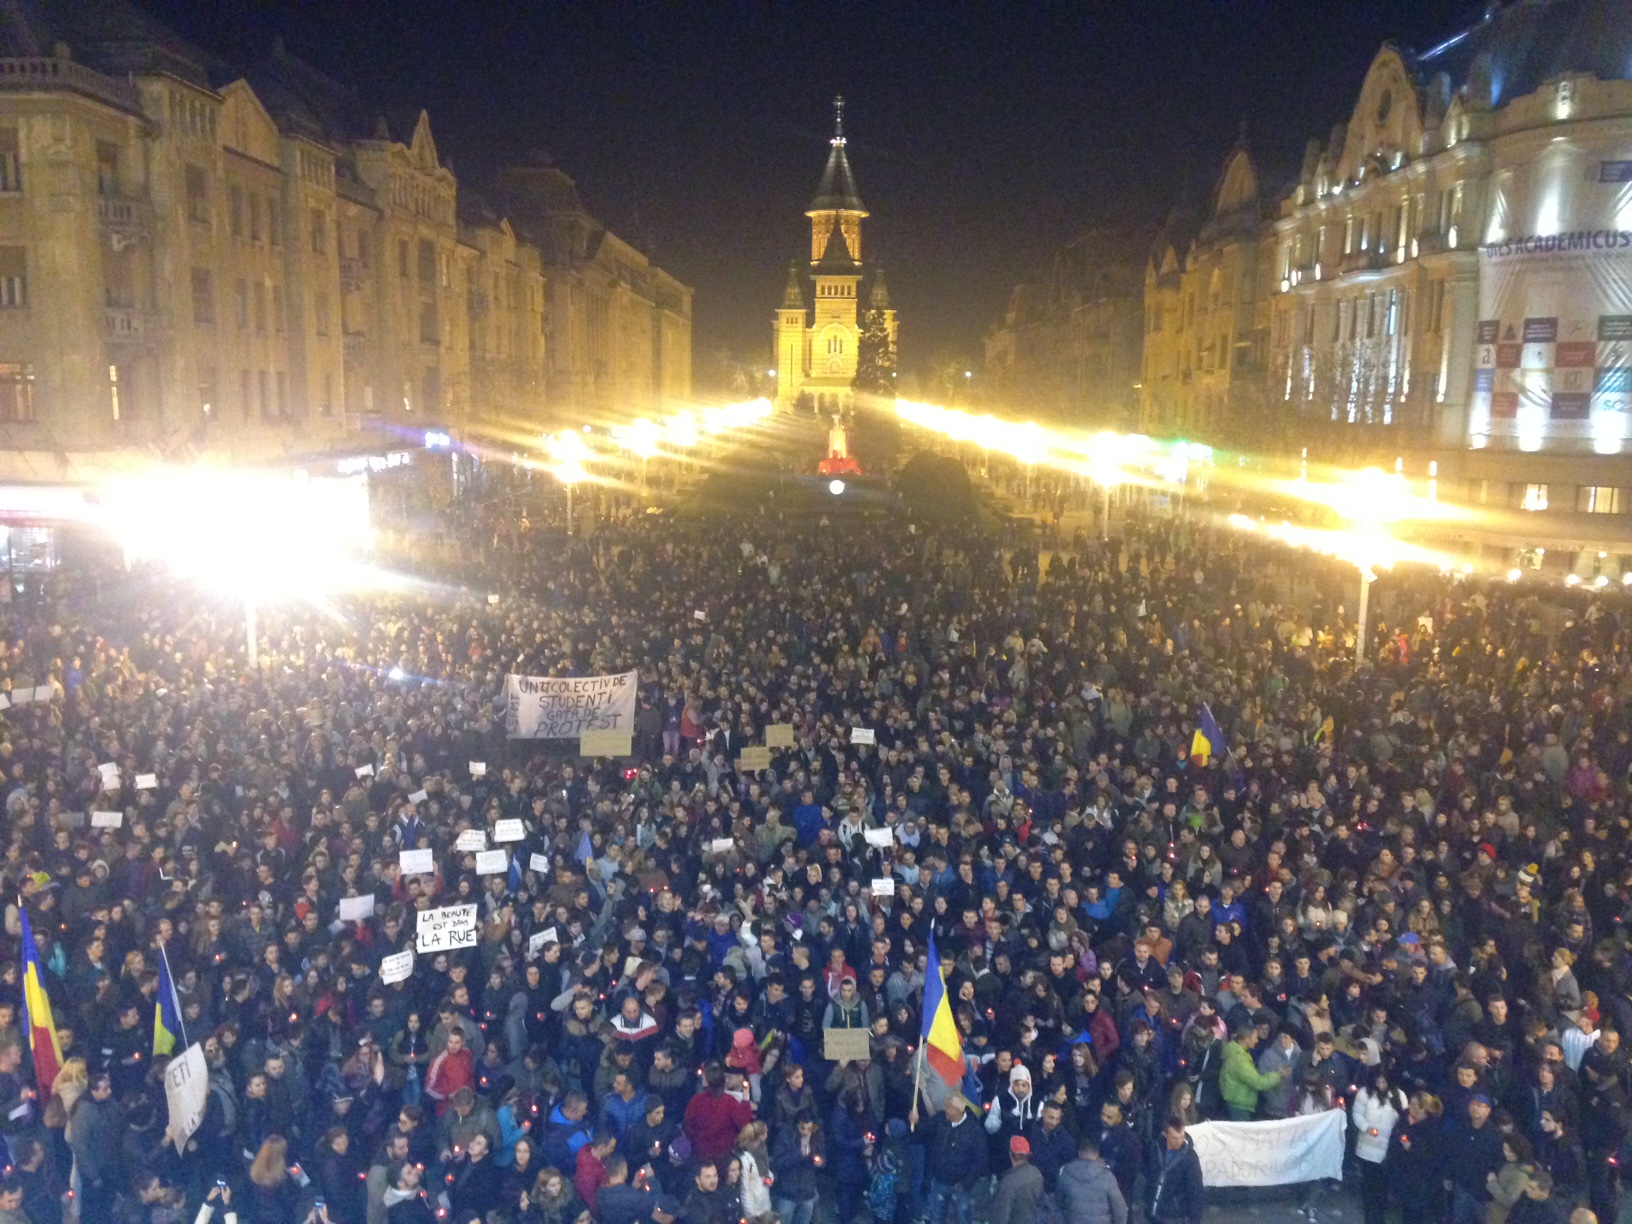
x,y
567,453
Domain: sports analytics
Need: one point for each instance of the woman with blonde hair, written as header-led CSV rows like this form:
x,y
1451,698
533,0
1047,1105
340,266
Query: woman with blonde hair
x,y
272,1192
756,1171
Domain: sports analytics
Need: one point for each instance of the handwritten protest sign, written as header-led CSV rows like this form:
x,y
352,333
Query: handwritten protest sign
x,y
862,735
779,735
753,760
1278,1153
492,862
846,1045
357,909
416,862
398,967
508,831
542,707
441,930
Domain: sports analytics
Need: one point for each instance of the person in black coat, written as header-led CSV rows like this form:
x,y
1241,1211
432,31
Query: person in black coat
x,y
1177,1195
339,1175
1414,1164
475,1189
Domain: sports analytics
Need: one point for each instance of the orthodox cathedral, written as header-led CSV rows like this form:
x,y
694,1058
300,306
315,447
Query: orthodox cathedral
x,y
818,345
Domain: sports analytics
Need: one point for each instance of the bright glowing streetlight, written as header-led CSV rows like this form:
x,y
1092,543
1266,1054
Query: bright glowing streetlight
x,y
835,487
568,451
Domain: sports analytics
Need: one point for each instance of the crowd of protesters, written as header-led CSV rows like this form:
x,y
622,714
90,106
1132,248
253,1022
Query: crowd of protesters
x,y
1398,890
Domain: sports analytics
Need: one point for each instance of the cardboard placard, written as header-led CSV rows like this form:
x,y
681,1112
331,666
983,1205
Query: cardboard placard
x,y
471,839
398,967
862,735
846,1045
416,862
611,743
147,781
884,886
538,939
478,769
882,838
539,863
492,862
779,735
441,930
508,831
357,909
107,820
753,760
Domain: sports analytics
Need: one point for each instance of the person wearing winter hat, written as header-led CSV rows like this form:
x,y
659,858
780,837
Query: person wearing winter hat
x,y
1020,1191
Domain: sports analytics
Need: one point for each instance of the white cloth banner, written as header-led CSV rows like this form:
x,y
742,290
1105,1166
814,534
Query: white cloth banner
x,y
1279,1153
187,1089
538,707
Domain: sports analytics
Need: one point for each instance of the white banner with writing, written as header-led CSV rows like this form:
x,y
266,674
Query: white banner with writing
x,y
540,707
440,930
1278,1153
187,1091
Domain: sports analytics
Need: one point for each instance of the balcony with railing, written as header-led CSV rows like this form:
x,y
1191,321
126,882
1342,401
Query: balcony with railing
x,y
34,73
124,219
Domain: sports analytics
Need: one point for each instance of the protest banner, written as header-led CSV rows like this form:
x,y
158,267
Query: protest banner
x,y
416,862
398,967
1279,1153
845,1045
441,930
779,735
753,760
542,707
508,831
187,1089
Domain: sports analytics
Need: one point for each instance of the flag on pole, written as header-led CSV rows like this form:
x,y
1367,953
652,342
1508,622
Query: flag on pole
x,y
166,1011
1208,741
943,1044
42,1029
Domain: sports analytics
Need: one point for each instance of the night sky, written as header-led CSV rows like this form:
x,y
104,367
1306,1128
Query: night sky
x,y
982,135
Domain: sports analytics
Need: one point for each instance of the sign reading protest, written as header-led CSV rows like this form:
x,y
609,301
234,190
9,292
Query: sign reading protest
x,y
540,707
1279,1153
398,967
187,1089
441,930
845,1045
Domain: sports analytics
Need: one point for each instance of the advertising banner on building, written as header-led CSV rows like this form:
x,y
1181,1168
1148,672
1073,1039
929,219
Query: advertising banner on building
x,y
539,707
1280,1153
1553,346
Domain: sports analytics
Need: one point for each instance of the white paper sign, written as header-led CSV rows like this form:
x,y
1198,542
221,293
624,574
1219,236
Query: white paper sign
x,y
539,707
508,831
398,967
365,771
147,781
108,767
699,615
538,939
357,909
884,838
110,782
44,693
1276,1153
862,735
539,863
187,1089
5,702
416,862
439,930
478,769
107,820
471,839
722,845
419,796
492,862
884,886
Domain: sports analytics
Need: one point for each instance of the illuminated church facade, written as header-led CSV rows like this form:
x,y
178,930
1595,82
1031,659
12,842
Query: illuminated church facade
x,y
819,327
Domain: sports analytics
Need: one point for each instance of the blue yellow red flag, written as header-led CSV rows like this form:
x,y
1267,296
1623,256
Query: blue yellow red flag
x,y
42,1029
943,1044
1208,741
166,1011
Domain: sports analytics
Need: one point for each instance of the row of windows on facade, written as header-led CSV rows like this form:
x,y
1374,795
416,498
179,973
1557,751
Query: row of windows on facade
x,y
1386,230
1365,316
1587,499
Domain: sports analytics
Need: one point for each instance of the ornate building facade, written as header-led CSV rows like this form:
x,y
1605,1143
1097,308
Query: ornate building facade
x,y
196,261
818,338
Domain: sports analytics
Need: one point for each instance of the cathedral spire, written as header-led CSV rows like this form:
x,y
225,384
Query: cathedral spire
x,y
837,192
793,297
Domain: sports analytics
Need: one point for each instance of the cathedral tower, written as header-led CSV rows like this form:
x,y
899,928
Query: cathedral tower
x,y
816,345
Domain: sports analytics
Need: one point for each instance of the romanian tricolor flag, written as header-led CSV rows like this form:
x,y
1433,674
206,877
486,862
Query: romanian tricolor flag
x,y
943,1044
167,1011
42,1030
1208,741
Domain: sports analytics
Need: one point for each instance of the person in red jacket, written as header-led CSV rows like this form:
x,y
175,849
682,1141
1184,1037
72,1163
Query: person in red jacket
x,y
450,1071
715,1118
591,1173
